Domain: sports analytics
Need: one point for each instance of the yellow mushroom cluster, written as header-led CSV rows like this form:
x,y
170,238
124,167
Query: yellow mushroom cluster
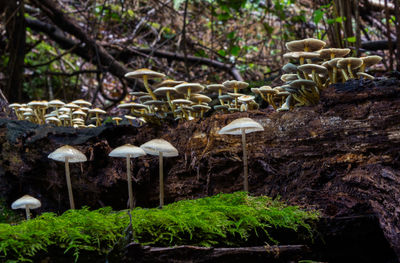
x,y
183,100
311,70
74,114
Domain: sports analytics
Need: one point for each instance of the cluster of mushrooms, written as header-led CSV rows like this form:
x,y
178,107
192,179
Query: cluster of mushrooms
x,y
74,114
183,100
313,69
158,147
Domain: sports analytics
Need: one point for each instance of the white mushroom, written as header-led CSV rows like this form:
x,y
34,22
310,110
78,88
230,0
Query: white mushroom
x,y
26,202
241,127
161,148
68,154
127,151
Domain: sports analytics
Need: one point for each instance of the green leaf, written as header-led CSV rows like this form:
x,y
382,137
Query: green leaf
x,y
235,51
351,39
222,52
317,16
177,4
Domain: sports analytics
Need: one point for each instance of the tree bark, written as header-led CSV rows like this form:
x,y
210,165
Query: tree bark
x,y
15,26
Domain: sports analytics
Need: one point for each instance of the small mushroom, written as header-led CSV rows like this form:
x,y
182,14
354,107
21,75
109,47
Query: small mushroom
x,y
161,148
146,74
68,154
128,151
241,127
117,120
26,202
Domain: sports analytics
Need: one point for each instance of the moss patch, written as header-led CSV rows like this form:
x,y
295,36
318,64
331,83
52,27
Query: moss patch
x,y
221,220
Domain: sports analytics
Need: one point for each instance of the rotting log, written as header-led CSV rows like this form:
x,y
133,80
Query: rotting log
x,y
285,253
341,156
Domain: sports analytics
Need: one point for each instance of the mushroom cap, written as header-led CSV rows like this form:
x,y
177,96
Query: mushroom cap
x,y
168,83
353,62
97,110
15,105
145,98
116,118
200,97
144,72
63,116
255,90
309,68
302,82
301,54
26,201
200,107
66,151
129,117
338,52
232,84
164,90
267,90
184,87
182,102
49,119
82,102
236,126
365,75
216,87
333,62
127,150
71,106
300,45
157,146
37,104
79,112
55,103
246,98
371,60
225,97
289,68
289,77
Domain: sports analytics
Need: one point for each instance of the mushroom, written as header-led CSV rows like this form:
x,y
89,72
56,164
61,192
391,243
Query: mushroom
x,y
241,127
27,202
128,151
161,148
117,120
146,74
68,154
188,89
97,111
369,61
349,64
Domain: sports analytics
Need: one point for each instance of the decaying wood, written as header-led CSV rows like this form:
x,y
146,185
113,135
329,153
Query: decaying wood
x,y
137,253
341,157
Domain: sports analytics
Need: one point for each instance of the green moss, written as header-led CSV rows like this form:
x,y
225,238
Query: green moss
x,y
7,215
223,220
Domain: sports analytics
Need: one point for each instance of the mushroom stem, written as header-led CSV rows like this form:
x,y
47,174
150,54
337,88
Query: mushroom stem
x,y
219,95
128,174
146,85
345,74
71,197
161,179
350,71
245,166
28,215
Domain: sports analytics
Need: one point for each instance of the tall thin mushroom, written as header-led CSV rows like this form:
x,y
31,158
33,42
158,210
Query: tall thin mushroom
x,y
162,148
241,127
68,154
128,151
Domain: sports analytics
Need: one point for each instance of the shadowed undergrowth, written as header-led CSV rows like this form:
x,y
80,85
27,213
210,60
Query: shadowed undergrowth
x,y
221,220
